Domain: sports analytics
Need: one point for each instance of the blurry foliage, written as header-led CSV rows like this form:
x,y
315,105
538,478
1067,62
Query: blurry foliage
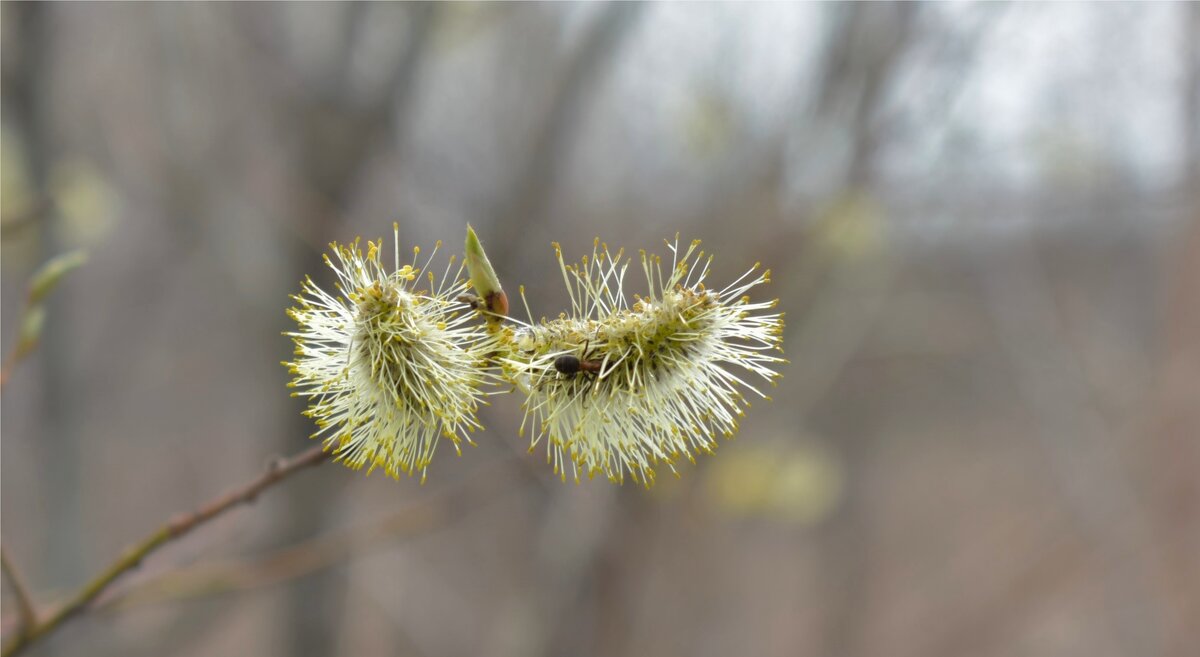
x,y
852,227
709,124
16,194
461,23
88,206
49,275
33,315
798,483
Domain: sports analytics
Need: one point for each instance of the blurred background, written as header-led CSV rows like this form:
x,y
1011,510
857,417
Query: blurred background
x,y
983,223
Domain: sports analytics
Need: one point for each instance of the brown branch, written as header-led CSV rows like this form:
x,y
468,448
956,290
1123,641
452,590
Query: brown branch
x,y
16,354
169,531
318,552
26,612
10,363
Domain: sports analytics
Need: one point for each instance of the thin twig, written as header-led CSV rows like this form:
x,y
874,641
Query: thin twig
x,y
26,611
316,553
171,530
11,361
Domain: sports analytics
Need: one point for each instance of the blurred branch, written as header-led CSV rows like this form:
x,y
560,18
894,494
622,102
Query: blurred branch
x,y
314,554
1172,426
859,78
527,200
169,531
1191,96
26,612
1062,562
13,225
30,104
1080,446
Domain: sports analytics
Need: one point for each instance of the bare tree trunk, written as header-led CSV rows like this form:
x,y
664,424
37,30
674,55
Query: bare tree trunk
x,y
865,44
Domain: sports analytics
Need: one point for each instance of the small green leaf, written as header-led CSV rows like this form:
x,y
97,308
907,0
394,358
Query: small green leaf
x,y
484,279
32,322
49,275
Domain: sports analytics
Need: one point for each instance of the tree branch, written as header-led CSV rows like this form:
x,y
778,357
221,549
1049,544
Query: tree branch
x,y
440,509
25,609
169,531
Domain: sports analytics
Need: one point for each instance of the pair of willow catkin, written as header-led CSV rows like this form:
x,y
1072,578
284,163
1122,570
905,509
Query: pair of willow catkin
x,y
399,359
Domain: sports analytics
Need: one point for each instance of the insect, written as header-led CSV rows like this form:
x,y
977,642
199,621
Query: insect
x,y
571,365
471,300
496,302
